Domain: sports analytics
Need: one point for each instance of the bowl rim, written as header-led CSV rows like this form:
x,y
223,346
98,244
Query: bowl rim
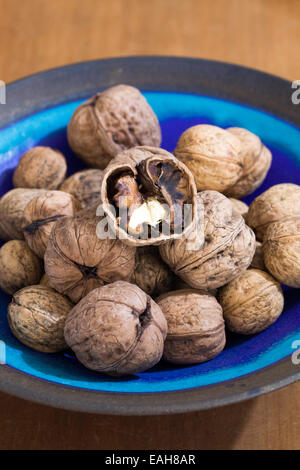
x,y
221,80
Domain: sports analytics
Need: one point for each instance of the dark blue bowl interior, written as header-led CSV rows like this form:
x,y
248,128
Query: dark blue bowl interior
x,y
176,112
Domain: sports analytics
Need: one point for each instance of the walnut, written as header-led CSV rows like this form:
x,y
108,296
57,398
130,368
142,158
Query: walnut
x,y
42,213
37,316
258,258
40,167
12,206
281,249
19,266
257,161
239,206
148,196
278,203
84,186
151,274
196,331
227,251
45,281
117,329
112,121
77,261
213,156
252,302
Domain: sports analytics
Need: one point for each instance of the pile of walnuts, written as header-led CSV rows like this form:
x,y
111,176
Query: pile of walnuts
x,y
163,282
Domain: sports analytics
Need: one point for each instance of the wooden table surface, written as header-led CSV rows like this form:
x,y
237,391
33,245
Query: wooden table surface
x,y
39,34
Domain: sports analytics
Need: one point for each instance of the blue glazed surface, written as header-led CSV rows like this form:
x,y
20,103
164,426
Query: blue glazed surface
x,y
242,355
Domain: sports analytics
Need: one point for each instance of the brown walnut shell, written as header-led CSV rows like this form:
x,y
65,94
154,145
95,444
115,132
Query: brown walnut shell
x,y
37,317
196,330
112,121
252,302
227,251
257,161
152,173
77,261
19,266
281,249
117,329
40,167
45,281
42,213
151,274
258,258
239,206
85,186
278,203
12,206
213,156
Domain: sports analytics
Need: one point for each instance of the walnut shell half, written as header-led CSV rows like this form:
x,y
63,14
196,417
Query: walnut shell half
x,y
112,121
77,261
149,196
213,156
252,302
281,250
196,331
37,316
278,203
257,161
227,251
117,329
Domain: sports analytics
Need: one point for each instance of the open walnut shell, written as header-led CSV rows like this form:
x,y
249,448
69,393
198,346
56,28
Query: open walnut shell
x,y
227,250
117,329
149,196
77,260
281,249
40,215
257,161
196,330
277,204
112,121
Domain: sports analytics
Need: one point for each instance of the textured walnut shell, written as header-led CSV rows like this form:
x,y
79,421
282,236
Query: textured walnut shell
x,y
281,249
117,329
151,274
257,161
278,203
84,186
37,316
196,331
19,266
239,206
227,251
252,302
40,167
42,213
45,281
77,261
137,163
258,258
12,206
213,156
112,121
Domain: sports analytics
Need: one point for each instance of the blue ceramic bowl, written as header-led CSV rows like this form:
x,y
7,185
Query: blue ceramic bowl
x,y
182,92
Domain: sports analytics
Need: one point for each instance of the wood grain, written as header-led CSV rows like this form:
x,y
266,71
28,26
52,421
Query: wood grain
x,y
39,34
